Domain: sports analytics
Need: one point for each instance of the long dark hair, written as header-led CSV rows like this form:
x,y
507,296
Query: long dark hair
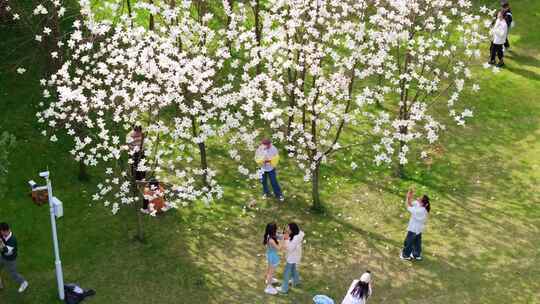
x,y
154,184
270,233
425,203
295,230
361,290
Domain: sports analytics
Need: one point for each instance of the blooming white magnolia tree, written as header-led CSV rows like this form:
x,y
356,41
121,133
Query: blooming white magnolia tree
x,y
315,58
308,74
164,78
429,48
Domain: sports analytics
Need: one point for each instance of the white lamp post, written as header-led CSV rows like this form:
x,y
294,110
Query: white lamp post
x,y
56,210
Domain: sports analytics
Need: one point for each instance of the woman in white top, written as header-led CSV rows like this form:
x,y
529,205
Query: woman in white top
x,y
359,291
499,33
293,238
419,209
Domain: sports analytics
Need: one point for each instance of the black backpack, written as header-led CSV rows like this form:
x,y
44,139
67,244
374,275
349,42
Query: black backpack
x,y
75,294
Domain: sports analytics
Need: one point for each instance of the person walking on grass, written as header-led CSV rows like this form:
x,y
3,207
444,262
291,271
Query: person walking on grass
x,y
292,244
267,157
270,241
499,33
8,258
359,291
419,209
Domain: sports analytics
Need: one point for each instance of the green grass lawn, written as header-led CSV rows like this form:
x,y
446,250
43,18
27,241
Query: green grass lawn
x,y
481,244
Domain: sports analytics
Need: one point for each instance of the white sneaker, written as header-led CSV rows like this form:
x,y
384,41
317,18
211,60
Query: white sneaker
x,y
404,258
270,290
280,290
23,287
281,198
275,281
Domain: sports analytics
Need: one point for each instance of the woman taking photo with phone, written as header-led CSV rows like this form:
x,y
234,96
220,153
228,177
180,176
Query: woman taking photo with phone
x,y
271,243
292,243
419,209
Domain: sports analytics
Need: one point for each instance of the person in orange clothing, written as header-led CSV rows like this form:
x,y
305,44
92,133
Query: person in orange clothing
x,y
154,198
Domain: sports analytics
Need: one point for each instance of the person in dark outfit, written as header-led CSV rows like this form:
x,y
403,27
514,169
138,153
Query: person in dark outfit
x,y
135,142
9,252
507,14
499,34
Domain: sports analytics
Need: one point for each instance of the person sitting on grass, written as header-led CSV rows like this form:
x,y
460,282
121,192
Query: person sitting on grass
x,y
419,209
267,157
292,243
360,290
270,241
499,33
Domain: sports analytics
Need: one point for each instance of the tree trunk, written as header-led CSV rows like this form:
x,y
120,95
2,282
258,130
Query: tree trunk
x,y
202,152
204,163
315,195
140,228
51,43
256,12
83,173
400,168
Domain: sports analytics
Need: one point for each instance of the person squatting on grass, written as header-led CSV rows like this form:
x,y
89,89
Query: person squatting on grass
x,y
270,241
419,209
499,35
8,258
292,243
267,157
360,290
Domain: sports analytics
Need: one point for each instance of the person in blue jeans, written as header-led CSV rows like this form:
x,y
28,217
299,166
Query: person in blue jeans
x,y
292,243
419,209
267,157
270,241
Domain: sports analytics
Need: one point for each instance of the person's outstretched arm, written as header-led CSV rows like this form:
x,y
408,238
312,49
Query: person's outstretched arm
x,y
410,195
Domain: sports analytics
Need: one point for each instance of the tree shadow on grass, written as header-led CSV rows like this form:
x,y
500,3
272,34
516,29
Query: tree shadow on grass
x,y
528,74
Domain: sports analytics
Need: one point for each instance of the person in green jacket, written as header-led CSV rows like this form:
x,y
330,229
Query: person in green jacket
x,y
8,255
267,157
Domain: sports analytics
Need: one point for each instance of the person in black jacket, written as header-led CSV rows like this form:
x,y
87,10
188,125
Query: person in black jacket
x,y
507,14
8,255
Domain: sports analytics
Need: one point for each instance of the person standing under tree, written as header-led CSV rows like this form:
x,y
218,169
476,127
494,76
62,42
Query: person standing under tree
x,y
270,241
8,258
135,140
419,209
507,14
267,157
499,35
293,238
